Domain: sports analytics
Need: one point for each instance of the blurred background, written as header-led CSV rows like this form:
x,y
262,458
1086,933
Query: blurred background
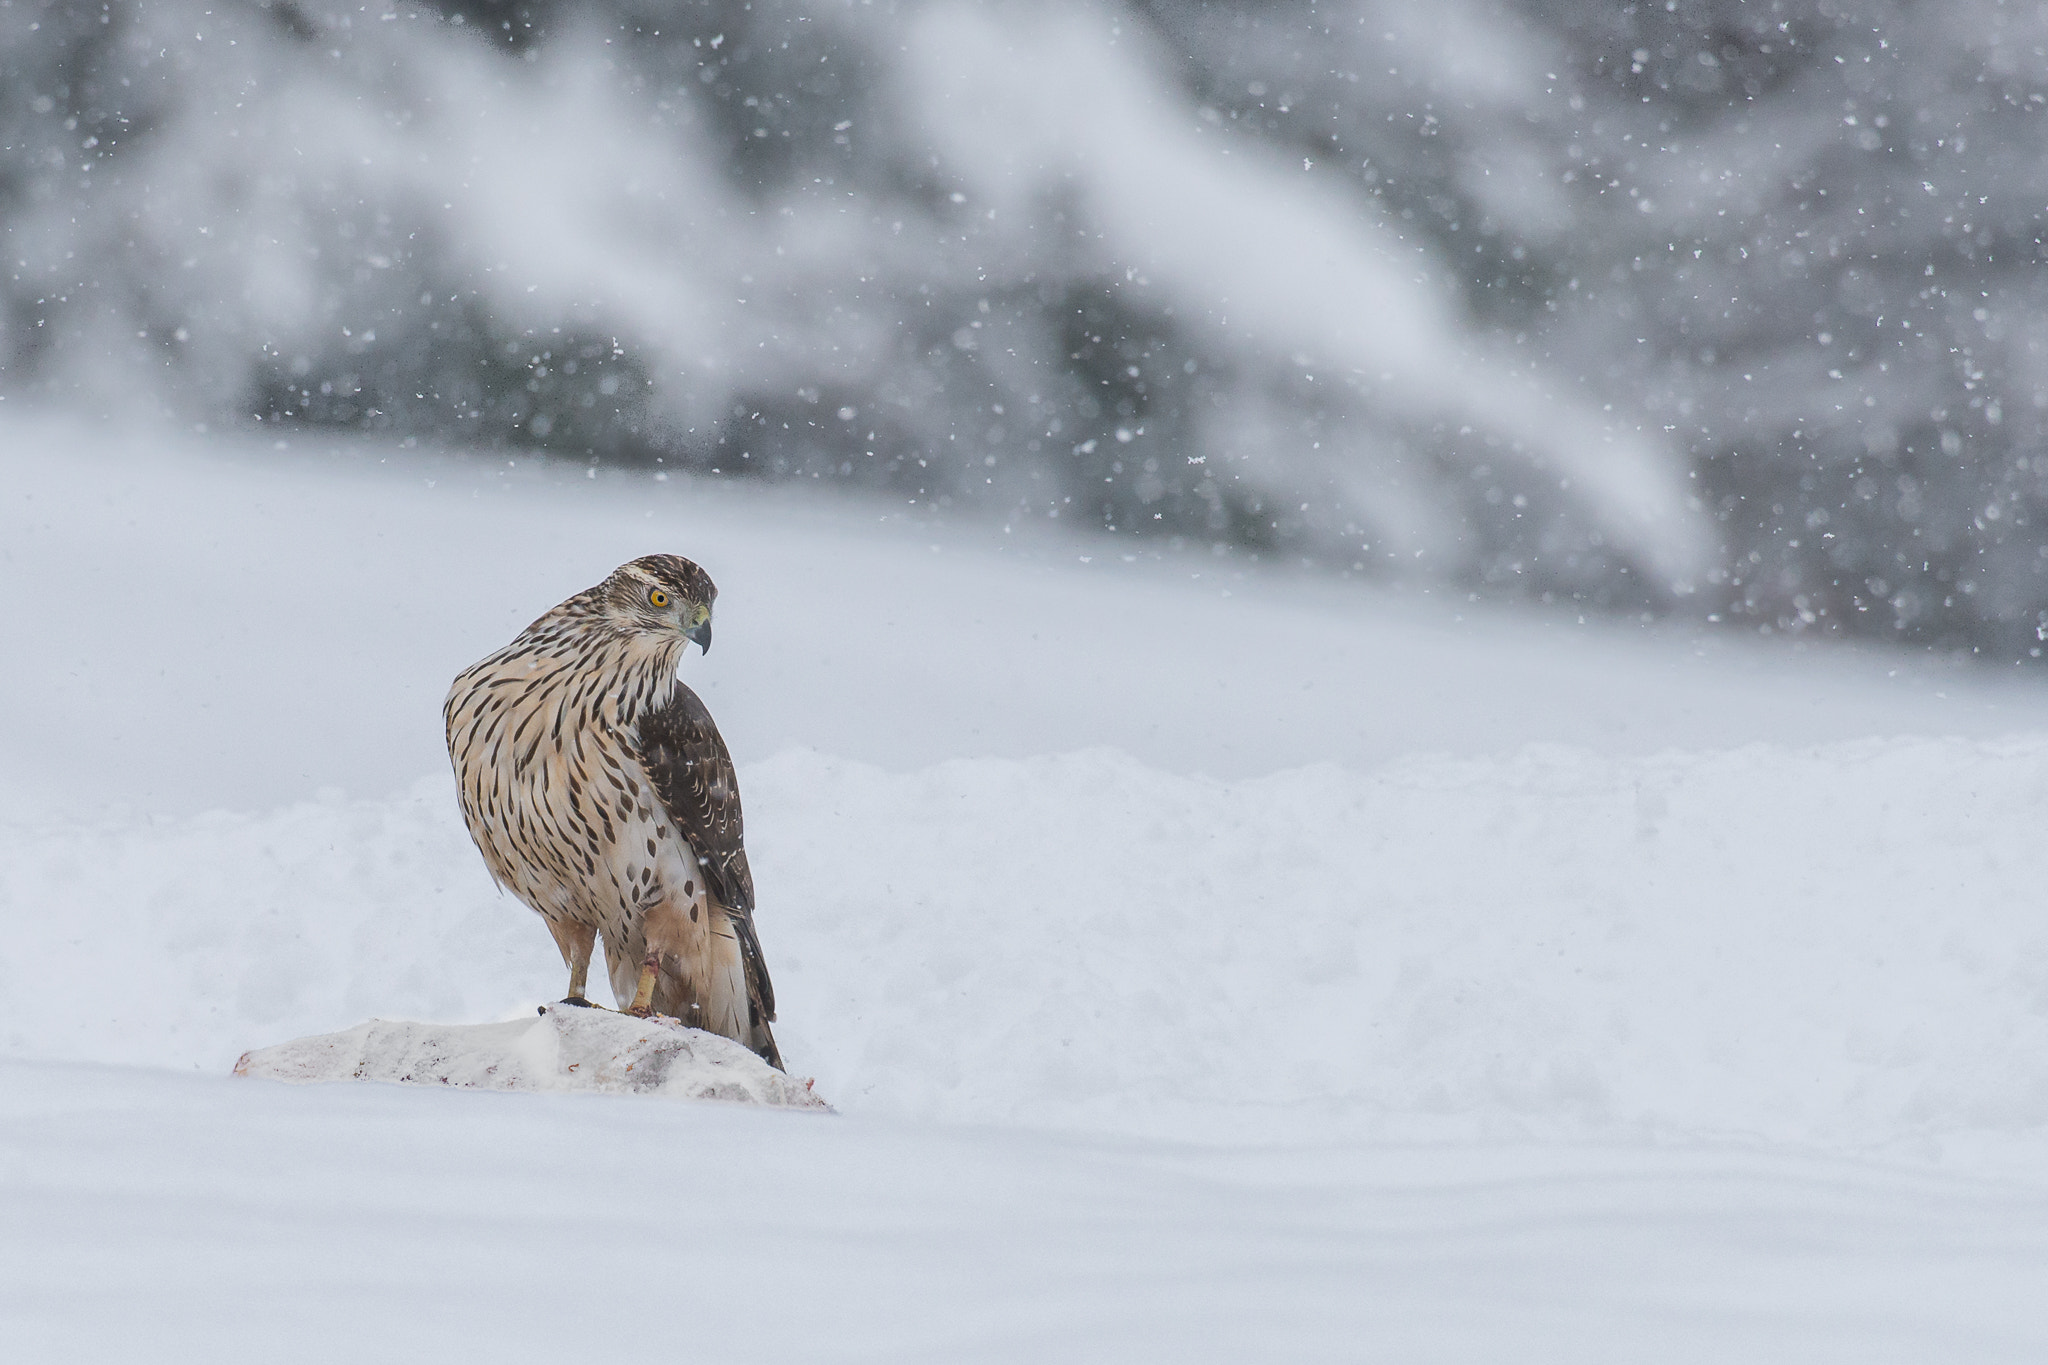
x,y
1726,310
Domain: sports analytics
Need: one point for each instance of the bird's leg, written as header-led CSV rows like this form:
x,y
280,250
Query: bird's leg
x,y
666,935
579,978
650,967
576,941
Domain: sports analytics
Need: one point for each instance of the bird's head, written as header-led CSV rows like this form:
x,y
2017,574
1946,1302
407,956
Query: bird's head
x,y
662,594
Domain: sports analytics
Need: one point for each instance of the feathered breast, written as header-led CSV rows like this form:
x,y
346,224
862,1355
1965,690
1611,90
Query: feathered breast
x,y
541,738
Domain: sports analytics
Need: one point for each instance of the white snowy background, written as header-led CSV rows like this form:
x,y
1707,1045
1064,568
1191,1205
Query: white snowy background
x,y
1313,639
1207,962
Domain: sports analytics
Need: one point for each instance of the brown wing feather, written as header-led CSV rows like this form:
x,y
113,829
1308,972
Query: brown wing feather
x,y
685,756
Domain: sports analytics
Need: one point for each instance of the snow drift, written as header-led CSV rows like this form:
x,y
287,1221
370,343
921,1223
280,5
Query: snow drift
x,y
1838,947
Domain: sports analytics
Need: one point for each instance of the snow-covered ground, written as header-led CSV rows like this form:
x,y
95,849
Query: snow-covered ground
x,y
154,1217
1208,961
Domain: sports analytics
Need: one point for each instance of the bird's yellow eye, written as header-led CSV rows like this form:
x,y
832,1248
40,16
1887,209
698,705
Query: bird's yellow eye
x,y
656,597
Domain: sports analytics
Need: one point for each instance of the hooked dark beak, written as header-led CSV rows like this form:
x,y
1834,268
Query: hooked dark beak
x,y
700,635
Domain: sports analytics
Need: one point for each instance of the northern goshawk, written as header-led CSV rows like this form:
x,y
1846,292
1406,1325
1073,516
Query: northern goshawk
x,y
602,795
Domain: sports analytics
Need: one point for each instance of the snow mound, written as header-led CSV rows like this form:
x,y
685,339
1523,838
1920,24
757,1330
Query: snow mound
x,y
1838,946
563,1050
